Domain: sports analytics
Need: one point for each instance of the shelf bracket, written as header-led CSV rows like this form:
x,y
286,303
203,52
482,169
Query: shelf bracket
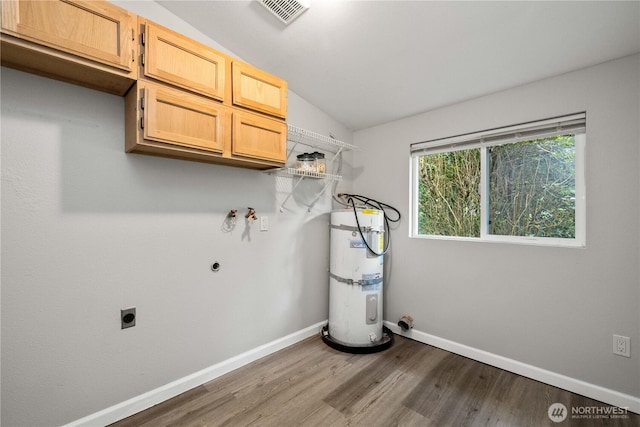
x,y
291,150
326,185
335,156
290,193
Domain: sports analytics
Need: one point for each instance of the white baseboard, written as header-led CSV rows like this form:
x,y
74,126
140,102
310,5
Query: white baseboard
x,y
160,394
573,385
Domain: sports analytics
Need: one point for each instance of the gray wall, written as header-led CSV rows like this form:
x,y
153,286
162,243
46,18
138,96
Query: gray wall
x,y
553,308
88,230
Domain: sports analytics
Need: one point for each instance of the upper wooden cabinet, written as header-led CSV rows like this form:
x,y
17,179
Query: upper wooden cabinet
x,y
257,137
183,99
175,117
175,59
258,90
168,122
85,42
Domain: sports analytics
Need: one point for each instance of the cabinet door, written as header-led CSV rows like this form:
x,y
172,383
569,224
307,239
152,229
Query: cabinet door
x,y
182,119
259,90
258,137
177,60
95,30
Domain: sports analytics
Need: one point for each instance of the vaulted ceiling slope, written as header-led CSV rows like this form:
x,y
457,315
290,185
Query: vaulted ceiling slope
x,y
370,62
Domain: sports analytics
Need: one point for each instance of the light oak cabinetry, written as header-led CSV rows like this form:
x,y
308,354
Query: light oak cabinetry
x,y
258,90
183,99
89,43
258,137
168,122
184,105
177,60
161,117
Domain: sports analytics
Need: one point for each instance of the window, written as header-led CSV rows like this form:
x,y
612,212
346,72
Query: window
x,y
522,184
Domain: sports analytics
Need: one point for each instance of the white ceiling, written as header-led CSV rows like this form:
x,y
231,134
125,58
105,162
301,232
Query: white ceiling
x,y
370,62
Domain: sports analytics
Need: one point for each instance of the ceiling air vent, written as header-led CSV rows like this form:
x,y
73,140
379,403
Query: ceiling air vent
x,y
286,10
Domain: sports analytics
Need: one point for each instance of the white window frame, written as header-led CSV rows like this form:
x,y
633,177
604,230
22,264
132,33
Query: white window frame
x,y
575,123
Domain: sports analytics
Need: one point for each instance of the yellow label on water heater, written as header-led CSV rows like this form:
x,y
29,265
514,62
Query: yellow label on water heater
x,y
369,211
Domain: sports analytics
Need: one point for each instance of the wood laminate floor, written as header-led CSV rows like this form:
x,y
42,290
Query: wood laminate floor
x,y
410,384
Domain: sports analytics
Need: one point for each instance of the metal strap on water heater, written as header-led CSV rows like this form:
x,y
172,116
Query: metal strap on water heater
x,y
356,282
352,228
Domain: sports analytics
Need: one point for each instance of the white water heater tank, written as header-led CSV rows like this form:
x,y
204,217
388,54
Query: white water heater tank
x,y
355,277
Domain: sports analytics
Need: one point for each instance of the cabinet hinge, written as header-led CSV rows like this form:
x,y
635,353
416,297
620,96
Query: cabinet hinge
x,y
142,112
142,59
142,37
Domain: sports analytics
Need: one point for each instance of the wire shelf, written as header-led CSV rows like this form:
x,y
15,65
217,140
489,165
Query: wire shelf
x,y
312,139
296,135
302,173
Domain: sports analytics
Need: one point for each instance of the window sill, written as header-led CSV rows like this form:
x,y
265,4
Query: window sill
x,y
531,241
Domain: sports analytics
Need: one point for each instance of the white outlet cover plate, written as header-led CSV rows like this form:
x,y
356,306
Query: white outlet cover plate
x,y
622,345
264,223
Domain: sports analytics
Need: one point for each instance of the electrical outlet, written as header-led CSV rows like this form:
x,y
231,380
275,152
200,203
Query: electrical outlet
x,y
622,345
264,223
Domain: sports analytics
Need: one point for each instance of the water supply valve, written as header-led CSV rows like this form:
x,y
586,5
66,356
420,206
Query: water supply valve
x,y
229,221
251,215
406,322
